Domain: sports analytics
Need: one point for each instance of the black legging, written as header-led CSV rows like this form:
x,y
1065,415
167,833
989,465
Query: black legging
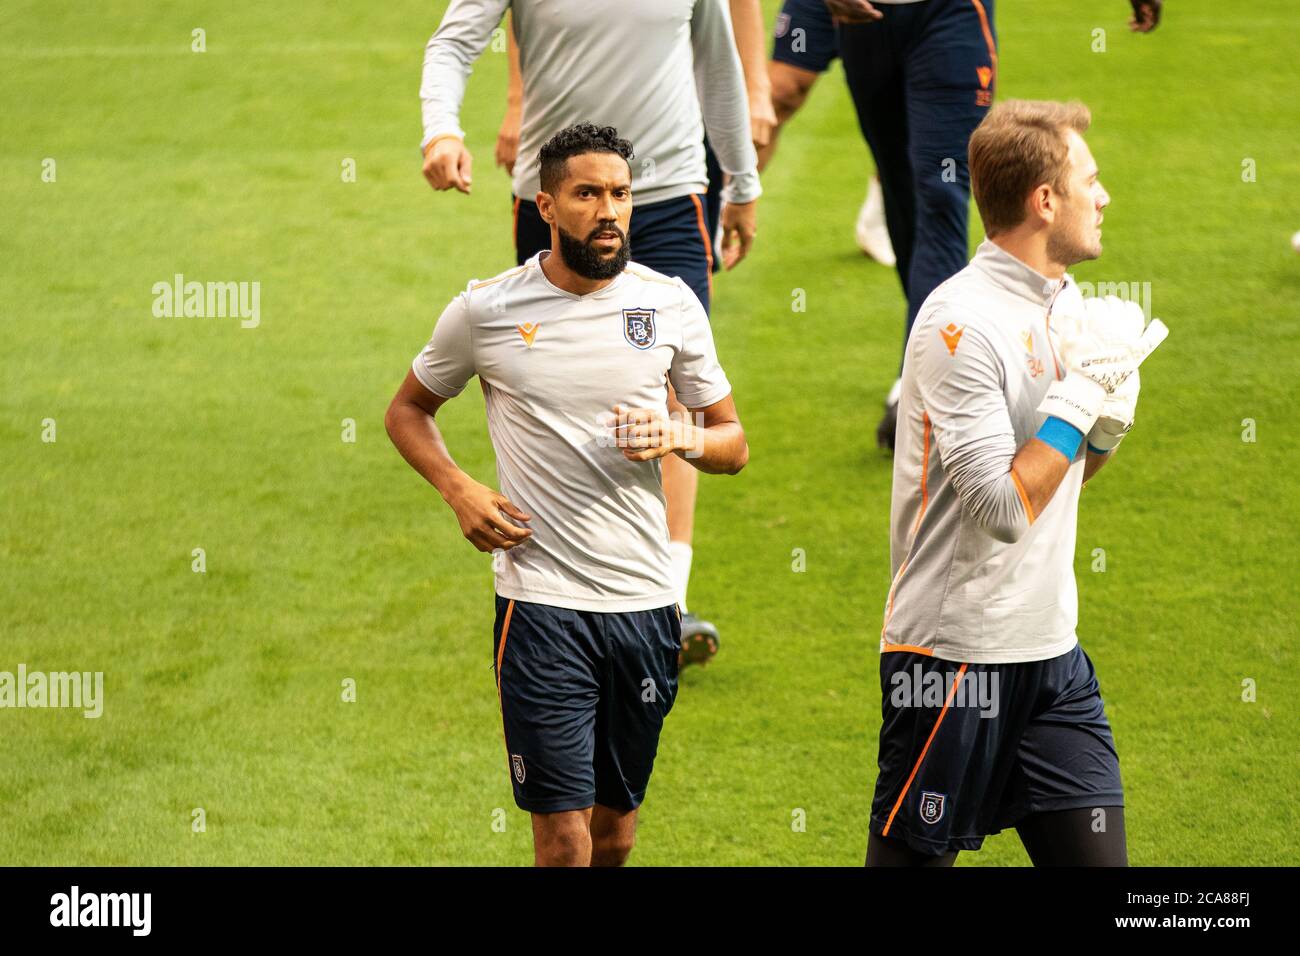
x,y
1056,838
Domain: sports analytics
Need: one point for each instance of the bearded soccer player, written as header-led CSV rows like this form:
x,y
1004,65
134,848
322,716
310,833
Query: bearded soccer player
x,y
1015,391
575,350
665,73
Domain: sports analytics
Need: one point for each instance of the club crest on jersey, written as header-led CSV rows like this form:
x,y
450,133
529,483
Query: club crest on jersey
x,y
517,765
932,806
639,327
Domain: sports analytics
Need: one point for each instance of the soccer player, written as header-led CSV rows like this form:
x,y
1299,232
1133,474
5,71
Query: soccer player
x,y
922,74
635,66
1014,393
804,46
575,350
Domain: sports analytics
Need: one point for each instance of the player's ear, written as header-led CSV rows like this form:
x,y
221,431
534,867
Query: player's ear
x,y
1042,203
546,207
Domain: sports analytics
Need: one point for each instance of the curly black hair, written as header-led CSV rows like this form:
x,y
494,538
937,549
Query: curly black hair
x,y
574,141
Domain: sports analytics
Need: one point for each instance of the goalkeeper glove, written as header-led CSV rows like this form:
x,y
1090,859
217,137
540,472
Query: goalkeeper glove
x,y
1102,351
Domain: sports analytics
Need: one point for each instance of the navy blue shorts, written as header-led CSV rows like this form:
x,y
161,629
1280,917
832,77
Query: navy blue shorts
x,y
805,36
967,750
671,237
583,696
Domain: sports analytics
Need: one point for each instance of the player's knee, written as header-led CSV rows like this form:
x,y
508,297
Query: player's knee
x,y
563,849
789,91
562,842
612,849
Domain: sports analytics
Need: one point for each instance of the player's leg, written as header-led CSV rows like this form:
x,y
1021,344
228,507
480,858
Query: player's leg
x,y
613,834
672,237
950,70
882,851
547,662
562,839
790,88
948,738
874,73
803,46
638,688
531,233
1085,836
1072,810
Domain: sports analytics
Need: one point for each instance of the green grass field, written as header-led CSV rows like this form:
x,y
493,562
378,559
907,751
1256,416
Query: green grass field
x,y
328,560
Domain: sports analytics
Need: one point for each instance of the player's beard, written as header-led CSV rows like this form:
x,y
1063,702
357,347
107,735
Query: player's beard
x,y
1067,243
583,259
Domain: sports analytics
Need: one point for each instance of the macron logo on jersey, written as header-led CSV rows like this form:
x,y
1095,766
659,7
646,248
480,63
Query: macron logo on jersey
x,y
529,331
951,336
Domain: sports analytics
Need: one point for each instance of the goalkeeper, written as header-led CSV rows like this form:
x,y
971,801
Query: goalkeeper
x,y
1015,391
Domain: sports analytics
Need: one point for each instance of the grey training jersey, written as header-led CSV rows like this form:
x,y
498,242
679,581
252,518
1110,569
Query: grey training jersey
x,y
552,365
631,64
977,576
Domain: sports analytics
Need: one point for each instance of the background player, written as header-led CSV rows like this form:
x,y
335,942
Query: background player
x,y
605,61
587,630
993,420
804,45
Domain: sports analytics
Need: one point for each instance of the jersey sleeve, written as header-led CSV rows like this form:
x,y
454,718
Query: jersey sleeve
x,y
960,378
696,375
446,364
724,102
449,56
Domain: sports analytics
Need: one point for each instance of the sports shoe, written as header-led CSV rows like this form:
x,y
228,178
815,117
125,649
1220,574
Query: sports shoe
x,y
871,232
699,641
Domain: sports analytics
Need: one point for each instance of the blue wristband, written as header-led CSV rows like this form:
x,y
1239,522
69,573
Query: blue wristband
x,y
1061,435
1099,451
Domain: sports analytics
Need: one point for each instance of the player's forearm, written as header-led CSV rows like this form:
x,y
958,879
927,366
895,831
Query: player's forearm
x,y
720,449
724,101
415,435
1094,462
515,84
1039,468
751,44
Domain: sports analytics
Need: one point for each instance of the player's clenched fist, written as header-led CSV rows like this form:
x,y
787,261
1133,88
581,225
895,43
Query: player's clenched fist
x,y
483,515
448,164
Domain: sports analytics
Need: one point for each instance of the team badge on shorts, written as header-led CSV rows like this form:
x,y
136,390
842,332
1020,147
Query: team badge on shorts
x,y
517,765
931,806
782,24
639,327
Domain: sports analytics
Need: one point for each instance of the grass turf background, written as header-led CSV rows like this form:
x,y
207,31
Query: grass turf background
x,y
328,560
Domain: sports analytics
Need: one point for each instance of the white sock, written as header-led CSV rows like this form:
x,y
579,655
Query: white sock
x,y
895,392
681,554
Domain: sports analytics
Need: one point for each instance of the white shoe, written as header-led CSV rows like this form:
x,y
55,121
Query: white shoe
x,y
873,237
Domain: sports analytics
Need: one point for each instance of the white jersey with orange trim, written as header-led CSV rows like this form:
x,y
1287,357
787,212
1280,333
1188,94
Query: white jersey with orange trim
x,y
663,72
977,576
553,365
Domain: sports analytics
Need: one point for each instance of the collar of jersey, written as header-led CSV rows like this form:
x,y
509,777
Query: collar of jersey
x,y
1010,273
537,261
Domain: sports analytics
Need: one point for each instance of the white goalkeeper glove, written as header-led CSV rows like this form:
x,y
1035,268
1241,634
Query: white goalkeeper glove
x,y
1102,350
1117,414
